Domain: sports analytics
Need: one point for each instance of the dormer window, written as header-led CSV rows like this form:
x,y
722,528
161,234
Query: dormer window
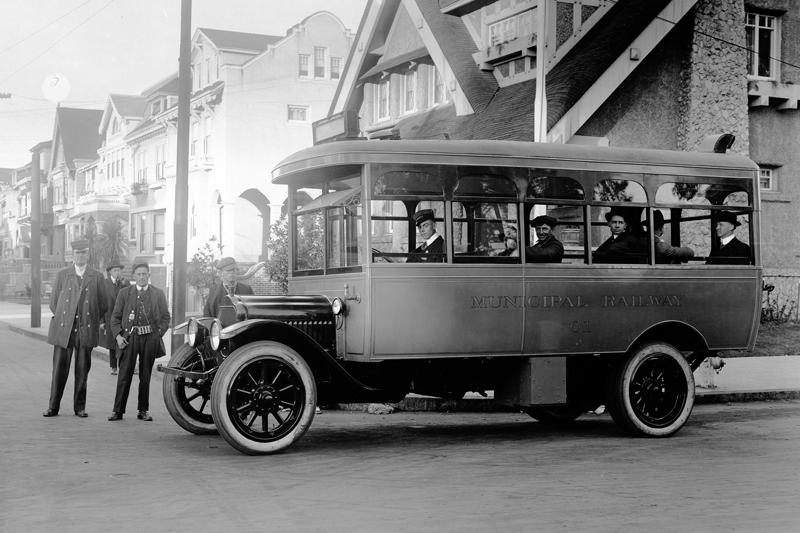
x,y
115,126
156,107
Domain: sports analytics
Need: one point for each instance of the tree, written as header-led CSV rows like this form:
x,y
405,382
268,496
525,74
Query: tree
x,y
278,246
110,245
202,273
308,247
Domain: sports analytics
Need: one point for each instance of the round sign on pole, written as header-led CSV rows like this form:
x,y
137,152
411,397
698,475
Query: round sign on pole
x,y
56,87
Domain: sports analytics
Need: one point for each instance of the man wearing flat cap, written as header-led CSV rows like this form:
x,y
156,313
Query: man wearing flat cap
x,y
432,248
547,249
228,285
78,303
139,320
621,242
114,283
731,250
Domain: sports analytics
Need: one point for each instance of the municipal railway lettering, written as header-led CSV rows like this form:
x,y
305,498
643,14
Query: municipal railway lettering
x,y
522,302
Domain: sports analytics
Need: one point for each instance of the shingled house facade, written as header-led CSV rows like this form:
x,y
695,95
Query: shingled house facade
x,y
632,73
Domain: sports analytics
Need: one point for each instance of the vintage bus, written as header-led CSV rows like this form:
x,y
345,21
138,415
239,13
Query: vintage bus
x,y
371,316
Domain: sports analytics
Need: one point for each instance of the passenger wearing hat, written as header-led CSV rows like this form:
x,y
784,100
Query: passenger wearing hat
x,y
731,251
114,283
547,249
139,321
665,252
621,242
228,285
432,249
78,303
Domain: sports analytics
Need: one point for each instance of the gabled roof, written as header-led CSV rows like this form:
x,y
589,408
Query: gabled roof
x,y
78,131
234,40
168,85
128,106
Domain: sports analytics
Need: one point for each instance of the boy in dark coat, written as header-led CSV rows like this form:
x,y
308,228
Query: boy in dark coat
x,y
114,283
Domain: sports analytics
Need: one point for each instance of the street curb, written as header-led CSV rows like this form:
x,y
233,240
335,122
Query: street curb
x,y
484,405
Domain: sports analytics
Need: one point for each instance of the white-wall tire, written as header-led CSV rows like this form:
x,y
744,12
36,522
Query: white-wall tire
x,y
263,398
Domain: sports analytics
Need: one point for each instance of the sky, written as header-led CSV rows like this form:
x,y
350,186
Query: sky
x,y
113,46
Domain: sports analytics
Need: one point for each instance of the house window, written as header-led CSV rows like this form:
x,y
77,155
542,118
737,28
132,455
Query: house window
x,y
766,179
156,107
207,137
141,166
208,71
762,49
161,157
410,91
512,27
298,113
198,75
439,91
158,232
319,62
303,65
115,126
193,140
382,100
193,224
133,228
336,68
142,232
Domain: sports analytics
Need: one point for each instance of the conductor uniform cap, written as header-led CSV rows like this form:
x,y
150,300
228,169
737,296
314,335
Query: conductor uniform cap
x,y
79,245
423,215
226,263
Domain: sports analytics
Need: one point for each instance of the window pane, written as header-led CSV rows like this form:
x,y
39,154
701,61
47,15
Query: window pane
x,y
569,230
345,241
482,230
411,90
408,184
619,190
309,239
701,193
319,62
303,65
335,68
486,185
764,50
555,187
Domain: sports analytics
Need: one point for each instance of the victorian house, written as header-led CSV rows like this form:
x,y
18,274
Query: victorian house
x,y
629,73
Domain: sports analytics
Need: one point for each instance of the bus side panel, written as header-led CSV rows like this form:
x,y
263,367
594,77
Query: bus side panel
x,y
446,310
597,309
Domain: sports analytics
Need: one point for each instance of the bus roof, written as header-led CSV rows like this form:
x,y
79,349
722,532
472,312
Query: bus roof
x,y
508,153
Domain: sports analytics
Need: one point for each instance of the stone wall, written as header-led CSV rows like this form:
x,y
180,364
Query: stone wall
x,y
714,95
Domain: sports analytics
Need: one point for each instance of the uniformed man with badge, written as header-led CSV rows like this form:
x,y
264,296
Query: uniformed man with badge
x,y
228,285
432,249
139,320
78,302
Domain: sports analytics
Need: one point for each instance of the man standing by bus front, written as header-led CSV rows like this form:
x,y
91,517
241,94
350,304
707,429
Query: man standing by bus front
x,y
228,285
432,250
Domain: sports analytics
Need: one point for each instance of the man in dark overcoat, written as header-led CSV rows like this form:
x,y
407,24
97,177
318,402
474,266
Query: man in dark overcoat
x,y
731,250
621,243
228,285
139,320
78,302
114,283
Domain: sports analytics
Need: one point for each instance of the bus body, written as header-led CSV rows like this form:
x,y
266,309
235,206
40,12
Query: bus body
x,y
368,319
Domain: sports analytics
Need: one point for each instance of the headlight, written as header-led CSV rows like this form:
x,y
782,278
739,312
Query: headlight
x,y
338,306
216,327
195,333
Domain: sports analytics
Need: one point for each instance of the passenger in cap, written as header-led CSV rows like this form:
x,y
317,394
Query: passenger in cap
x,y
228,285
547,249
432,248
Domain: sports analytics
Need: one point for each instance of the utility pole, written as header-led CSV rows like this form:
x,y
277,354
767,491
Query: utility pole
x,y
36,238
180,227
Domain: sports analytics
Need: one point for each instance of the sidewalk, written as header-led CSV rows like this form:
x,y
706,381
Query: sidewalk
x,y
742,379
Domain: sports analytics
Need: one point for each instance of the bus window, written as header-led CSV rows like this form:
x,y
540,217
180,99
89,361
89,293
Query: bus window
x,y
568,232
618,235
390,223
485,186
344,239
554,188
681,194
437,253
408,184
619,190
485,232
309,239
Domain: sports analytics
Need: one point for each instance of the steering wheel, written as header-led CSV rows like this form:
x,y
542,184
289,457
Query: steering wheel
x,y
377,253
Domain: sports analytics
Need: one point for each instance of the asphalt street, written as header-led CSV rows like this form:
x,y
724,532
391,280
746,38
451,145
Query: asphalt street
x,y
732,468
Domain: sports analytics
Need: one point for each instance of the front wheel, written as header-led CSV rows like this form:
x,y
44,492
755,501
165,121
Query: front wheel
x,y
263,398
651,394
188,401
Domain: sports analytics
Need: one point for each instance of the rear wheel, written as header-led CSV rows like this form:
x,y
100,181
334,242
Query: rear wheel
x,y
651,394
188,401
263,398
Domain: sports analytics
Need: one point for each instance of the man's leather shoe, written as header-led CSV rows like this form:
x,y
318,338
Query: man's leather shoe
x,y
115,416
144,416
50,412
81,413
